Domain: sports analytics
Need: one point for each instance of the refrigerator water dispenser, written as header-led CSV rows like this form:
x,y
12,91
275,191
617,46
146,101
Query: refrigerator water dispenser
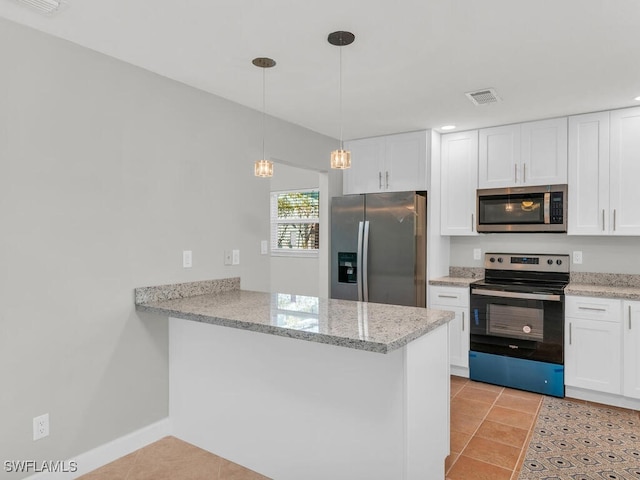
x,y
347,267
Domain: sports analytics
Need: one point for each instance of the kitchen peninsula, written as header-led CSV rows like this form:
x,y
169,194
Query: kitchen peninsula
x,y
306,387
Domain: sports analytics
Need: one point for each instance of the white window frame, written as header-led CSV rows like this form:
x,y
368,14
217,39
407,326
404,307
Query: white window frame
x,y
287,252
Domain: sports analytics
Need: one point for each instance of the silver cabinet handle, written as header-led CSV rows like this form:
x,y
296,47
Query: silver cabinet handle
x,y
593,308
524,173
447,296
472,224
380,179
386,174
603,219
614,219
629,317
569,333
463,320
516,172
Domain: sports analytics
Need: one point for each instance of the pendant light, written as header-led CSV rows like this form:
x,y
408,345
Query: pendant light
x,y
341,158
264,167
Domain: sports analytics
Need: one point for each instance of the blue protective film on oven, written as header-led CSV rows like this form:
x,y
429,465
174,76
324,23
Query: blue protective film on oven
x,y
530,375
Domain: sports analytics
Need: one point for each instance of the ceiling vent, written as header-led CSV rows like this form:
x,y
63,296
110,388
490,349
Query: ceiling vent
x,y
484,96
45,7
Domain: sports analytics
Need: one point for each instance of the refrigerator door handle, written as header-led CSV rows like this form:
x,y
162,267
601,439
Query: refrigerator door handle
x,y
365,262
359,261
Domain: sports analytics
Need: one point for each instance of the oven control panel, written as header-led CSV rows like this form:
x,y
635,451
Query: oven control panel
x,y
528,262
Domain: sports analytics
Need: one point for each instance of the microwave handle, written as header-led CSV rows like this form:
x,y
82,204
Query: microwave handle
x,y
547,202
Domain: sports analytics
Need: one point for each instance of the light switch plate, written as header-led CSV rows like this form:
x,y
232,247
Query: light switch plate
x,y
227,257
235,257
264,247
187,259
477,253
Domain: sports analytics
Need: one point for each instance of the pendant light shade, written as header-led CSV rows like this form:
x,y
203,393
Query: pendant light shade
x,y
263,167
341,158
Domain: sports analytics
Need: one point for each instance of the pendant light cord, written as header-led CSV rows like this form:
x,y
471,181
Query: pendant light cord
x,y
263,108
340,83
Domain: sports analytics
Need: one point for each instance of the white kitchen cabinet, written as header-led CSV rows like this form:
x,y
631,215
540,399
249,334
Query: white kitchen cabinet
x,y
593,344
532,153
631,327
459,177
604,165
624,193
588,174
392,163
455,299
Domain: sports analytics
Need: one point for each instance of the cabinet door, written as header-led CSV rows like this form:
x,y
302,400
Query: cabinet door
x,y
405,165
631,326
593,356
589,174
455,300
624,193
499,157
459,153
544,152
367,163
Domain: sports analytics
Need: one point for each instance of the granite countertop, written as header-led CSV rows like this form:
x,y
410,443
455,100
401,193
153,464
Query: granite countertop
x,y
366,326
606,285
459,277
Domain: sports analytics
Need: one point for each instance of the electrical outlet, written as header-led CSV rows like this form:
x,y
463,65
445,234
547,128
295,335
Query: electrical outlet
x,y
235,257
227,257
264,247
477,253
577,257
41,426
187,259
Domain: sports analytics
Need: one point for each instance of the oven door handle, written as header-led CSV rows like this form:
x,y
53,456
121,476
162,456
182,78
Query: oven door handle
x,y
525,296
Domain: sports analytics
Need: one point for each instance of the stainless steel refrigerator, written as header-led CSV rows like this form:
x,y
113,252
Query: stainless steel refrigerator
x,y
378,248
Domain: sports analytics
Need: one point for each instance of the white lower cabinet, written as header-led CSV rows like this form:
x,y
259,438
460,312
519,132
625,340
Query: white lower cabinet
x,y
631,326
454,299
593,344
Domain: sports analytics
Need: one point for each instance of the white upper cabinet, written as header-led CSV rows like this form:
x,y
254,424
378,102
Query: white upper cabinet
x,y
624,169
533,153
604,167
589,174
499,156
393,163
459,153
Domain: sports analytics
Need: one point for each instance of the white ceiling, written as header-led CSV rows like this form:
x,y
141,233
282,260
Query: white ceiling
x,y
408,69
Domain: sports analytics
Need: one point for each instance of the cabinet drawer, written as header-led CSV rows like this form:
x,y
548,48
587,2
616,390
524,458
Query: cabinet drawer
x,y
593,308
449,296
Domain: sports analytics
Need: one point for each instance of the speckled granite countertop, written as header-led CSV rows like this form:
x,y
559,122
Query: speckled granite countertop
x,y
365,326
459,277
606,285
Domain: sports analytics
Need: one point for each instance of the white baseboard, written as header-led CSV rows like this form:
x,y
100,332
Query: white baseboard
x,y
604,398
99,456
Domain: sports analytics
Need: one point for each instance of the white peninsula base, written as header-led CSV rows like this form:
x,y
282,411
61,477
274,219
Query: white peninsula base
x,y
293,409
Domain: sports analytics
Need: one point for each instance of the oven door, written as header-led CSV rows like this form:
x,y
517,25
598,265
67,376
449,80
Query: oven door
x,y
517,324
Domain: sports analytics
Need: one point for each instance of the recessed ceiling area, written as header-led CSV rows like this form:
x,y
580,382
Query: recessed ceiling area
x,y
409,68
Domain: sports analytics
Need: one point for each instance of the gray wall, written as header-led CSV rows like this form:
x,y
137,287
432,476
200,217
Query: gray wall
x,y
600,254
108,172
299,275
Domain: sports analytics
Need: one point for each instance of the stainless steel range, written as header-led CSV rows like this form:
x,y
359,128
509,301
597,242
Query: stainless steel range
x,y
517,322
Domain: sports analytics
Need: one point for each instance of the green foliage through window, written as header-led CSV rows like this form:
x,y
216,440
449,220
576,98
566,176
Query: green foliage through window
x,y
295,221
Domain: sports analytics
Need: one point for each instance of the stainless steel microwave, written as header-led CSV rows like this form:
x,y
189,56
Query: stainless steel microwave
x,y
522,209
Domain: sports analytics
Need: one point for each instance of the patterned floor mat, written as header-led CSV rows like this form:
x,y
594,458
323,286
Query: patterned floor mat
x,y
576,441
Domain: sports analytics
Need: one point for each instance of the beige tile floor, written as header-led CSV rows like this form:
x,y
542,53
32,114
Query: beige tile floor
x,y
490,428
172,459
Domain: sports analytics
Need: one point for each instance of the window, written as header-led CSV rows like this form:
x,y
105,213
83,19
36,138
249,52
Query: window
x,y
295,222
